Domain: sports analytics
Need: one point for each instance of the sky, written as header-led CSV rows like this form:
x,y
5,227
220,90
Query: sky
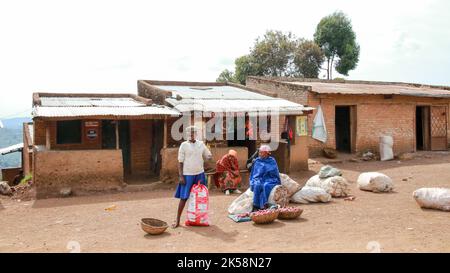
x,y
106,46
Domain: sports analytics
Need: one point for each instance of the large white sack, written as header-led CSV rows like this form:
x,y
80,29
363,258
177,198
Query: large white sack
x,y
337,186
386,144
311,195
375,182
242,204
279,196
290,184
433,198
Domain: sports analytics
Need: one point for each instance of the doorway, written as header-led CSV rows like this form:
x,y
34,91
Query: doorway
x,y
124,145
423,133
345,128
158,143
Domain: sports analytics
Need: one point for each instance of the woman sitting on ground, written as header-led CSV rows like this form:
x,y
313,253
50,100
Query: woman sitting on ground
x,y
264,177
227,176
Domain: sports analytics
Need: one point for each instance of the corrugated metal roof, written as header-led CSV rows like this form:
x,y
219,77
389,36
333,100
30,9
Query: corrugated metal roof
x,y
11,149
227,99
90,101
373,89
212,92
232,106
51,112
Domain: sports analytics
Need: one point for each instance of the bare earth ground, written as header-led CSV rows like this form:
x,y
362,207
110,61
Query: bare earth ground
x,y
394,221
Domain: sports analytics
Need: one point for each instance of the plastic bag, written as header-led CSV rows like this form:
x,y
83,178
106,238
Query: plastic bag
x,y
197,211
242,204
290,184
337,186
433,198
279,196
386,144
329,171
311,195
375,182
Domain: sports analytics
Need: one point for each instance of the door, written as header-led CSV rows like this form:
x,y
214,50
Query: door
x,y
423,134
158,142
108,134
124,145
343,128
438,124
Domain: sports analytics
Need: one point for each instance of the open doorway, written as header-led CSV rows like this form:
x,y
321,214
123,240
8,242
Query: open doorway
x,y
423,132
345,128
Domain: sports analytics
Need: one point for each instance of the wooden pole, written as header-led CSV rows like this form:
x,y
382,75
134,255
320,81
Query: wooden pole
x,y
165,133
117,135
47,136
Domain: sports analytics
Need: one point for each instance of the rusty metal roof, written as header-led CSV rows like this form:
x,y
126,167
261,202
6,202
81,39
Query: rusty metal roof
x,y
373,89
226,98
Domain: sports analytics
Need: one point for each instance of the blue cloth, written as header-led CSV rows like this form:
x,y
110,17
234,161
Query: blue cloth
x,y
263,178
183,191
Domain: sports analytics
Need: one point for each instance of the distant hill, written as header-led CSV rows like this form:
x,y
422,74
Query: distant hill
x,y
11,134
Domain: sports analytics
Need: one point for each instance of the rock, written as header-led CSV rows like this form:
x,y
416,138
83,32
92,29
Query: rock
x,y
367,156
406,156
405,179
65,192
330,153
5,188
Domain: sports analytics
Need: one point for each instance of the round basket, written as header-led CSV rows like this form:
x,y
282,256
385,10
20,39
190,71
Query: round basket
x,y
153,226
264,219
290,215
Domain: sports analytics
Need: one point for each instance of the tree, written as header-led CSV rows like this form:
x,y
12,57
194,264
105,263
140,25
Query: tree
x,y
335,35
226,76
308,58
272,55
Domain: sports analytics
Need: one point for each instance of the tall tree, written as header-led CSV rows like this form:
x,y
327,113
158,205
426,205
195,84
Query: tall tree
x,y
308,58
335,35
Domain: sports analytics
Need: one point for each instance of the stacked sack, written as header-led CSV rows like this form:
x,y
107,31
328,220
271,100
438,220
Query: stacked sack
x,y
330,179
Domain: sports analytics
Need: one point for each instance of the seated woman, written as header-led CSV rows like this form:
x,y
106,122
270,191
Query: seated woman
x,y
263,177
227,176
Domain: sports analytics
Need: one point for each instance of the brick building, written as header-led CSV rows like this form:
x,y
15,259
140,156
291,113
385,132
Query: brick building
x,y
96,142
358,113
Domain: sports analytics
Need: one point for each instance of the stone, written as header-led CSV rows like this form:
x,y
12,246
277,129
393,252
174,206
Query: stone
x,y
5,189
406,156
65,192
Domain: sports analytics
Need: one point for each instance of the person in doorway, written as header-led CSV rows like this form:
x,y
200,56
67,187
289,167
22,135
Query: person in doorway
x,y
263,177
227,176
191,155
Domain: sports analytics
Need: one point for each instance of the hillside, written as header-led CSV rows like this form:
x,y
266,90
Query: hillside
x,y
9,135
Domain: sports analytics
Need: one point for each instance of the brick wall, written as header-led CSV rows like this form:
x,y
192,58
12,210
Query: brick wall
x,y
292,92
141,146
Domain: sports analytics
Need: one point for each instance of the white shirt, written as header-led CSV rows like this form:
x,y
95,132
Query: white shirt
x,y
191,155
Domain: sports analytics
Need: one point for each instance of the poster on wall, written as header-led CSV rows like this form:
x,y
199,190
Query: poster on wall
x,y
302,126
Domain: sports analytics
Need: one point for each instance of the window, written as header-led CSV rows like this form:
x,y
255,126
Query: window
x,y
68,132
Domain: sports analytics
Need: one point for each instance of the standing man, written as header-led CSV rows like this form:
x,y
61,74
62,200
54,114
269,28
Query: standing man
x,y
191,155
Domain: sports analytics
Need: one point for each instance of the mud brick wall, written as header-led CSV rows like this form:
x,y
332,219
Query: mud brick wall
x,y
81,170
291,92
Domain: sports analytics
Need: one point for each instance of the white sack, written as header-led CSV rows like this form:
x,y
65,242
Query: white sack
x,y
290,184
311,195
386,144
375,182
337,186
433,198
242,204
279,196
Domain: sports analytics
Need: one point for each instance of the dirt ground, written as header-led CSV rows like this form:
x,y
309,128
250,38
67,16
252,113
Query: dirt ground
x,y
373,222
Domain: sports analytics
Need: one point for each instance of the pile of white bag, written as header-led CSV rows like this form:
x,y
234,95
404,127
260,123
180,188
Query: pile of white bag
x,y
336,186
311,195
375,182
433,198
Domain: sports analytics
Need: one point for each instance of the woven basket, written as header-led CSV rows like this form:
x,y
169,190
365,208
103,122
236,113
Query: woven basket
x,y
288,215
153,226
264,219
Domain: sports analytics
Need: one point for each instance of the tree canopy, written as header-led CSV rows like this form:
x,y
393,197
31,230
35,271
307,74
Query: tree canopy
x,y
335,35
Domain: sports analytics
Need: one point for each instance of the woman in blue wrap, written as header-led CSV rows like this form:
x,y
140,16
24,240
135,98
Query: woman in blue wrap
x,y
263,177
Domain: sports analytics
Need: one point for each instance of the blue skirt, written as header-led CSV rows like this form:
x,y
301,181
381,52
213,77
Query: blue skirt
x,y
183,191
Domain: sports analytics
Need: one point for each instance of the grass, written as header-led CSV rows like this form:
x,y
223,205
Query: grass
x,y
26,179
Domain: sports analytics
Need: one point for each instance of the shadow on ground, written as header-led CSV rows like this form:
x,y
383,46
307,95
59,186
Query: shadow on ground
x,y
213,231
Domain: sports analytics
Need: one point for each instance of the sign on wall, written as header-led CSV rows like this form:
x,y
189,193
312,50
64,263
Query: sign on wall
x,y
301,126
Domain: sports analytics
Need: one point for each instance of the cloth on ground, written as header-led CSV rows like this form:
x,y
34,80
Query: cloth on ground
x,y
238,218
